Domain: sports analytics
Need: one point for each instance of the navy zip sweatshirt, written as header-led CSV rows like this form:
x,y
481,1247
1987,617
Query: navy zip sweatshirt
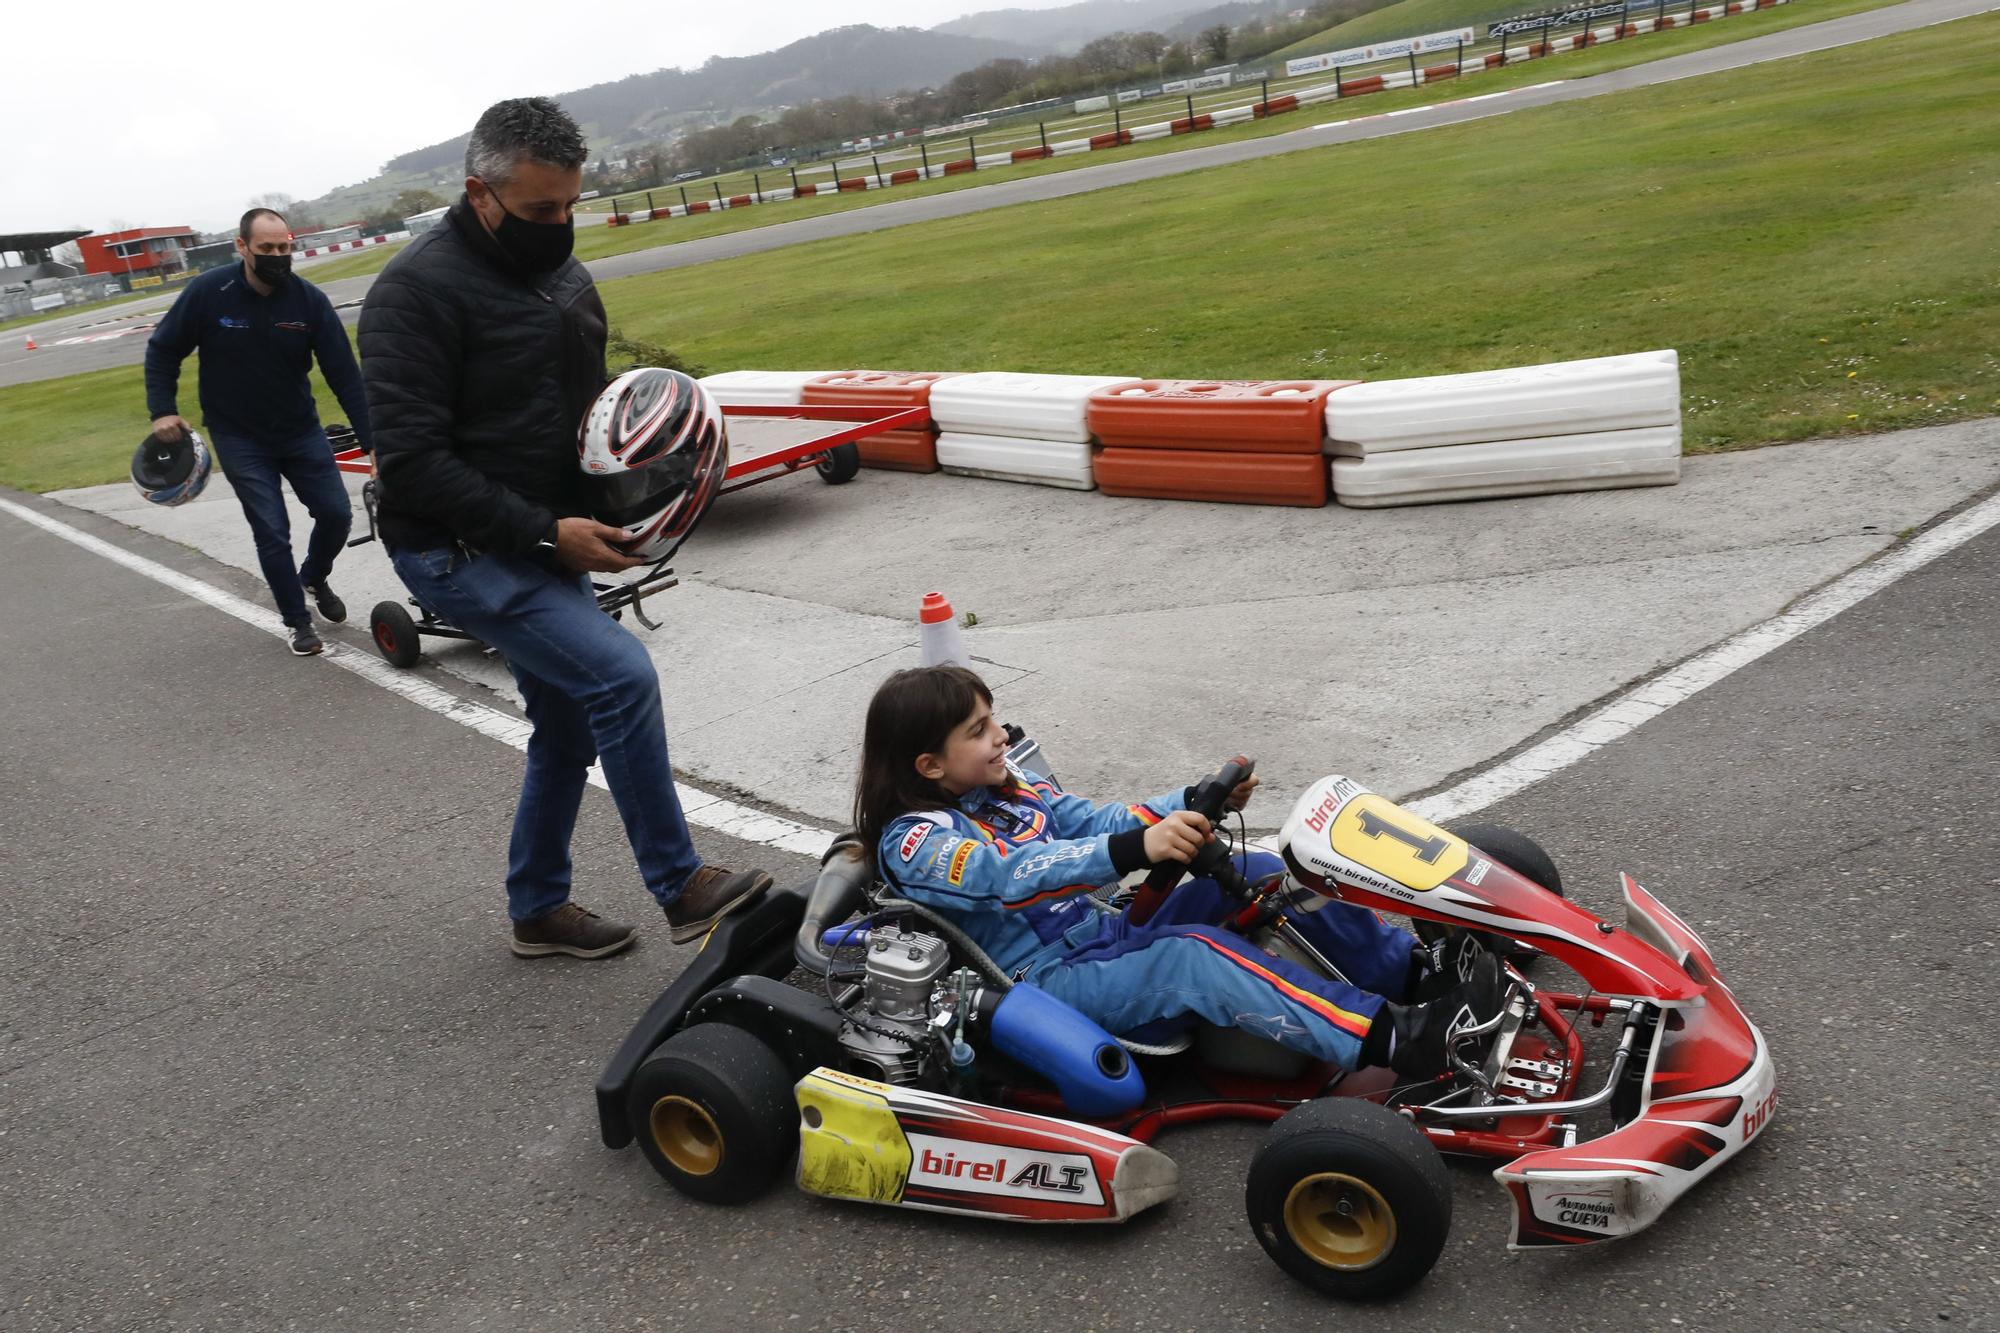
x,y
255,353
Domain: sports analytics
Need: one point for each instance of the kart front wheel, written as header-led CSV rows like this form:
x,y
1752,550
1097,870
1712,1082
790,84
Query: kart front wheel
x,y
1349,1198
714,1112
1520,854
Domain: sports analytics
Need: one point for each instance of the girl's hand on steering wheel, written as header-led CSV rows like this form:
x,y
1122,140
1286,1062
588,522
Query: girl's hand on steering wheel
x,y
1240,796
1177,837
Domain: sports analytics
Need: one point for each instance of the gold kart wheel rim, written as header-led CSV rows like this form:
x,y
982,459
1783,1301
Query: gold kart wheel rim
x,y
686,1135
1340,1222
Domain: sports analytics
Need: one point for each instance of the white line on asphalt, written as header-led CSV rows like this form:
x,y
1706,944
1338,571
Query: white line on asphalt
x,y
1645,702
702,808
1580,740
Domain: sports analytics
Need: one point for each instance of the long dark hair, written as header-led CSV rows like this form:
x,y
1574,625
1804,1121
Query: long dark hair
x,y
912,713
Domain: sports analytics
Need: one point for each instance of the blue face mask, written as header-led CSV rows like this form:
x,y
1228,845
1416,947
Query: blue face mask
x,y
538,247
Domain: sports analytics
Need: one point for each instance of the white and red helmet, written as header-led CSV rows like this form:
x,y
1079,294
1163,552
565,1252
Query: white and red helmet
x,y
653,449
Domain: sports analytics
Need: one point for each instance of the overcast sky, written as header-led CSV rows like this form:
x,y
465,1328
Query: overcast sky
x,y
151,115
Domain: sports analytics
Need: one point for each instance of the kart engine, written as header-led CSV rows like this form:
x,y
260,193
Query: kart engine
x,y
887,1035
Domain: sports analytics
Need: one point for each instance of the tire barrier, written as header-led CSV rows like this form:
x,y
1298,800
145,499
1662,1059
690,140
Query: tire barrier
x,y
1608,393
760,388
1359,86
1006,404
1038,462
900,451
1648,456
1528,430
1249,416
896,450
1298,480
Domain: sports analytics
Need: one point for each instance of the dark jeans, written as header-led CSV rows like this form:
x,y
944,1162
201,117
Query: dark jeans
x,y
254,468
591,690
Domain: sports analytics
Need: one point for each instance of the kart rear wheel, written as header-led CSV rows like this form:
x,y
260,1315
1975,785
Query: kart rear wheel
x,y
395,634
1520,854
1349,1198
841,464
714,1113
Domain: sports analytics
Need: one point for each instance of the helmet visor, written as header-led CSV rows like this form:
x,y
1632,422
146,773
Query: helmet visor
x,y
627,499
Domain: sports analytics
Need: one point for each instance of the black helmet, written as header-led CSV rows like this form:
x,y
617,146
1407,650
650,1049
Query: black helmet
x,y
171,472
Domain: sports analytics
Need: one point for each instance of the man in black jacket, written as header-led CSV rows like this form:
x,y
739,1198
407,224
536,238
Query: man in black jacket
x,y
259,328
482,346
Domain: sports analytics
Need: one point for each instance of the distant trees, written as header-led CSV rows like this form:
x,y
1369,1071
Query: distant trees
x,y
1215,43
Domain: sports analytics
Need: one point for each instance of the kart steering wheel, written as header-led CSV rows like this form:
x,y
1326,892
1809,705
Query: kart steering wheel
x,y
1207,798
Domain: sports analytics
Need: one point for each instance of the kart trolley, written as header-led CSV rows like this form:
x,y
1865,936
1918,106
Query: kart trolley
x,y
836,457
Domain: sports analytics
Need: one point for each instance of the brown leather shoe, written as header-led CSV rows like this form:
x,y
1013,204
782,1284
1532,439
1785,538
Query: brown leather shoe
x,y
710,895
576,931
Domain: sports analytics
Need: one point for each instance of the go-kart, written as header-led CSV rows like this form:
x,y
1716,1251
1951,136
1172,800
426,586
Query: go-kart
x,y
909,1070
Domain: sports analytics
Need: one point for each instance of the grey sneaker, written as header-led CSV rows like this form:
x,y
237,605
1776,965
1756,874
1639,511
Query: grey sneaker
x,y
710,895
576,931
305,642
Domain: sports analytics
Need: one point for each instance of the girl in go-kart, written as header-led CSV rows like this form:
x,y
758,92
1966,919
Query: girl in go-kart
x,y
1013,862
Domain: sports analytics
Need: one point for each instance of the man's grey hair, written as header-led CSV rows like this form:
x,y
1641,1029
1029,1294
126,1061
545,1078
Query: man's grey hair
x,y
522,129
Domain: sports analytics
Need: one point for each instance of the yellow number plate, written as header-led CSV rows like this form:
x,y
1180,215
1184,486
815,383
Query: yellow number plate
x,y
1375,832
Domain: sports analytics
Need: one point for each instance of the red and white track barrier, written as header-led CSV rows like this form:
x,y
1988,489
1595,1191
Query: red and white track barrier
x,y
361,244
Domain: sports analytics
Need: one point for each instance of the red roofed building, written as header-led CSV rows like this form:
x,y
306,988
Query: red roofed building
x,y
147,251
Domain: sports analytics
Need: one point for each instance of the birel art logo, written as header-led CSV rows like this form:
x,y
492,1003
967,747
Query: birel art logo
x,y
1321,813
1759,1116
1033,1174
982,1168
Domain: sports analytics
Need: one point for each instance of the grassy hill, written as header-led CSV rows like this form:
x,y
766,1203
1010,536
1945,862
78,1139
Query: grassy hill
x,y
1068,27
858,59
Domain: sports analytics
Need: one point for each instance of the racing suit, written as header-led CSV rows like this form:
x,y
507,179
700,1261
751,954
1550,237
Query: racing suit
x,y
1014,868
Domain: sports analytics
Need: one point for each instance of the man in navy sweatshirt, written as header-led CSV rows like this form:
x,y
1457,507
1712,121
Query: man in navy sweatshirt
x,y
258,329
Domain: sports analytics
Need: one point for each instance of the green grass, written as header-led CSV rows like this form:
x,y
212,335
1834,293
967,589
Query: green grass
x,y
370,260
81,430
1814,235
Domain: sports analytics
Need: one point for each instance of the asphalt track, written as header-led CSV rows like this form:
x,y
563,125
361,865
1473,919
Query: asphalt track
x,y
19,366
264,1062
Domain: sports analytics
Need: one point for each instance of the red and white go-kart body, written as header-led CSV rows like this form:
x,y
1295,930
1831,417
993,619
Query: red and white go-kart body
x,y
1699,1077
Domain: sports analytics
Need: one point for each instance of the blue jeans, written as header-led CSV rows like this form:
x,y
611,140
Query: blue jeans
x,y
591,690
254,468
1182,963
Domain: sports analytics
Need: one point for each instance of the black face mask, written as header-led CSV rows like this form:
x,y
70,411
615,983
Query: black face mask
x,y
538,247
271,270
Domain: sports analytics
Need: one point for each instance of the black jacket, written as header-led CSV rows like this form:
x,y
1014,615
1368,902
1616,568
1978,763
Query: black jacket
x,y
478,375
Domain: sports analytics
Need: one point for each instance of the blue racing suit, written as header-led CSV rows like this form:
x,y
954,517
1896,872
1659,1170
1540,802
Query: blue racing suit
x,y
1015,867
